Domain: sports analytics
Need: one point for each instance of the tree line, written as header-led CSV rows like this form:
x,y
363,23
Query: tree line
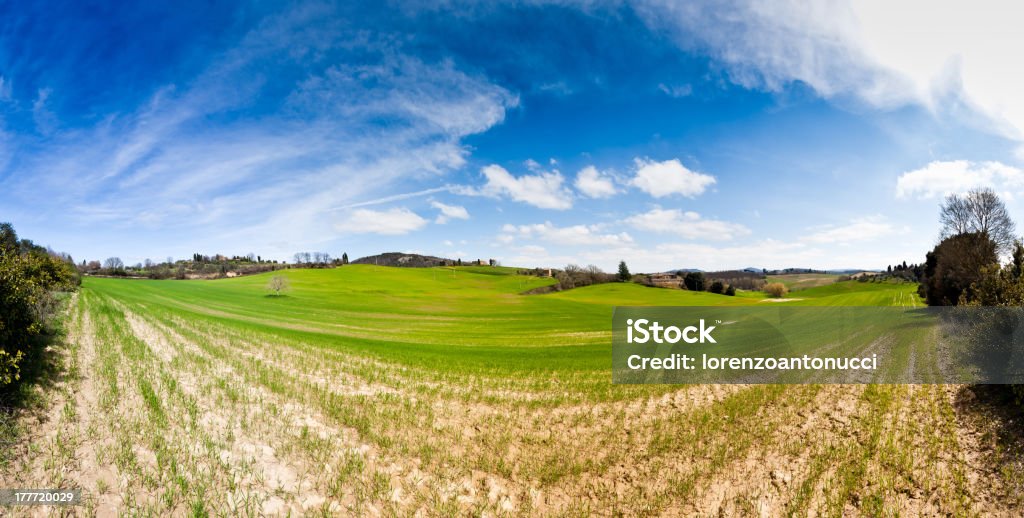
x,y
965,267
205,266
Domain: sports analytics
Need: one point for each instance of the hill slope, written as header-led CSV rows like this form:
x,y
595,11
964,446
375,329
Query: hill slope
x,y
373,390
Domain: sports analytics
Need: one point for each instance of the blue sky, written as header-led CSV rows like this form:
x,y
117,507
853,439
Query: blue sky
x,y
669,135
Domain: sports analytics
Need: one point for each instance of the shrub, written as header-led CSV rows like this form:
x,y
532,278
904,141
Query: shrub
x,y
776,289
717,287
28,276
731,291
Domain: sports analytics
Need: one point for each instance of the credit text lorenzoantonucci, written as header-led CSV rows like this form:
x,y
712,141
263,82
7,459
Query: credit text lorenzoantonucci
x,y
643,331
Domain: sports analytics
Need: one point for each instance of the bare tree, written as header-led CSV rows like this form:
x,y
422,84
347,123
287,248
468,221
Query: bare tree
x,y
278,284
980,210
113,263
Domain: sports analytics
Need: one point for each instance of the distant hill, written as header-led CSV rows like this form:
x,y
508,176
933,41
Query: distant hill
x,y
403,259
836,271
850,271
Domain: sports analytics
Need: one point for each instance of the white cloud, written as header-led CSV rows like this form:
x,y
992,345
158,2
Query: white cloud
x,y
884,53
661,179
861,229
544,189
391,222
941,178
449,212
575,235
594,184
688,224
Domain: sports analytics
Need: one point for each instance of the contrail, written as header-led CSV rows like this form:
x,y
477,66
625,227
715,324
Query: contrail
x,y
395,197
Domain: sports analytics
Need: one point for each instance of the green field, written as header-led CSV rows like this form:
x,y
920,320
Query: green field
x,y
373,390
802,281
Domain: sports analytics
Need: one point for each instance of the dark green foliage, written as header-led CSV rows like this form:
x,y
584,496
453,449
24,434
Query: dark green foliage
x,y
29,274
717,287
954,266
730,291
694,281
624,275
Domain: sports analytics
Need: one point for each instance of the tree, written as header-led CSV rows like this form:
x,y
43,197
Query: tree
x,y
954,265
344,258
278,284
694,281
731,291
717,287
624,275
113,264
776,289
978,211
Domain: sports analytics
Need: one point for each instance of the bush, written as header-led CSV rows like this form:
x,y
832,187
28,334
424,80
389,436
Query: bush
x,y
776,289
731,291
717,287
29,274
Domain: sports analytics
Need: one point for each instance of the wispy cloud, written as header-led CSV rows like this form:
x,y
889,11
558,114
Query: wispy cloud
x,y
391,222
687,224
574,235
336,135
449,212
881,54
861,229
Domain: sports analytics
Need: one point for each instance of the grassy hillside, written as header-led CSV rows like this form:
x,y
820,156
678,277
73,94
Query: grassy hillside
x,y
370,390
800,281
